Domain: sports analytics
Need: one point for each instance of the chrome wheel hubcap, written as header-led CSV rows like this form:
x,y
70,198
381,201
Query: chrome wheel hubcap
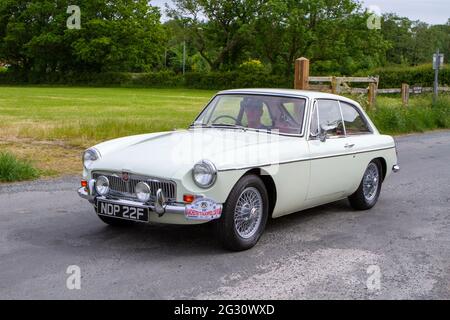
x,y
248,213
371,182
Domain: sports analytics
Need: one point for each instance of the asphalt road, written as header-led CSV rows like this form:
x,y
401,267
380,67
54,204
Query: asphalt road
x,y
324,253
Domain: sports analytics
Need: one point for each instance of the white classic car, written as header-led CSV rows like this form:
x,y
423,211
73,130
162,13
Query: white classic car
x,y
250,155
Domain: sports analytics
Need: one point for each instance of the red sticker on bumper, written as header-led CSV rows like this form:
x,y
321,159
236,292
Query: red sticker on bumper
x,y
203,210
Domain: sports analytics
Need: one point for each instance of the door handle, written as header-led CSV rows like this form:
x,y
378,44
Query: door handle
x,y
349,146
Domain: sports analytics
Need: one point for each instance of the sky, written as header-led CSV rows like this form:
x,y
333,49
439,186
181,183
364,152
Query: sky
x,y
430,11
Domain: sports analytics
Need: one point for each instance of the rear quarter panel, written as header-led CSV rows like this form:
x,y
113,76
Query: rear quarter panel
x,y
371,147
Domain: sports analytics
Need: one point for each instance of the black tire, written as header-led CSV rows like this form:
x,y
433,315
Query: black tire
x,y
358,200
114,222
226,225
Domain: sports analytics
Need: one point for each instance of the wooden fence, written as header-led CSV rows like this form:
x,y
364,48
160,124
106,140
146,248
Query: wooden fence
x,y
341,85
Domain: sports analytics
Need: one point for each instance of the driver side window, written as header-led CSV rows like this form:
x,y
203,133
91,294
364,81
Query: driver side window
x,y
327,113
330,116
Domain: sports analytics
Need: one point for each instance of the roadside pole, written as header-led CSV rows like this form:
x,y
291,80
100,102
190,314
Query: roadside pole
x,y
438,62
184,57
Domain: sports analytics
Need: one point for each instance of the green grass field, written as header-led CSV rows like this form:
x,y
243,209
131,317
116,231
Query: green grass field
x,y
51,126
82,116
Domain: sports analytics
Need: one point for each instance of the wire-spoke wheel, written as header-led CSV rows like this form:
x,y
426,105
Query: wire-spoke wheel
x,y
245,214
248,213
368,192
370,182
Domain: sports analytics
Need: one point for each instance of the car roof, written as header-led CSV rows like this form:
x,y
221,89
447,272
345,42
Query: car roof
x,y
290,92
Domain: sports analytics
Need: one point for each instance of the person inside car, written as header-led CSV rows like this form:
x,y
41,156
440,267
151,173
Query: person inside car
x,y
254,110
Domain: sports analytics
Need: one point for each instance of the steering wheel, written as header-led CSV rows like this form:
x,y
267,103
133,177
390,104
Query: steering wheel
x,y
225,116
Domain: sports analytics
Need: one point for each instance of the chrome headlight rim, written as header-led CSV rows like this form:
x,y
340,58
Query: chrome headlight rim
x,y
210,168
143,188
102,182
89,157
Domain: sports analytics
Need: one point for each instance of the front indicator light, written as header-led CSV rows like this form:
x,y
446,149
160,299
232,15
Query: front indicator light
x,y
188,198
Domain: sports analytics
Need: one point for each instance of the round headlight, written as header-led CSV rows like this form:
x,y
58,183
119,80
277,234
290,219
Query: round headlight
x,y
143,191
89,157
102,186
204,174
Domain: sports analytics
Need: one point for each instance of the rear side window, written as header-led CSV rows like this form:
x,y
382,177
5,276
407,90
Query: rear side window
x,y
354,121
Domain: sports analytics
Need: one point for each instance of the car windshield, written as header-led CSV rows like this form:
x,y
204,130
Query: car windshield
x,y
258,112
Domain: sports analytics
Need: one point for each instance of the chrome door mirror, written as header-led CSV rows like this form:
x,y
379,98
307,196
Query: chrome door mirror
x,y
323,131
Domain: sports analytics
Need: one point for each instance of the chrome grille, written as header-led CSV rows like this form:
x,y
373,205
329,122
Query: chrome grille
x,y
126,189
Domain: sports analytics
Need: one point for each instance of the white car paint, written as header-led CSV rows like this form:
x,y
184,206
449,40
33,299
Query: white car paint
x,y
306,172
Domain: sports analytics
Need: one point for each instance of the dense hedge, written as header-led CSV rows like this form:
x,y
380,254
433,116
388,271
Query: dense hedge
x,y
163,79
390,77
393,77
236,79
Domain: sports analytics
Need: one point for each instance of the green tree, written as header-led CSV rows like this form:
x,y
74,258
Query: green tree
x,y
219,29
123,35
332,33
413,42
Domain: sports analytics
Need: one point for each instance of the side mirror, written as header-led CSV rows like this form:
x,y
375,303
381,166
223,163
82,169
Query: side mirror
x,y
323,131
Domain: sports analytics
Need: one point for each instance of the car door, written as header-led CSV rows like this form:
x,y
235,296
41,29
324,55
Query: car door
x,y
331,160
360,138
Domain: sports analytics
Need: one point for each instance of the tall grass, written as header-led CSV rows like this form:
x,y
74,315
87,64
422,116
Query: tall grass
x,y
13,169
421,115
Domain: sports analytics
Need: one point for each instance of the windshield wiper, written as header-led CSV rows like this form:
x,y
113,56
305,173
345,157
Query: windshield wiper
x,y
230,126
194,126
217,126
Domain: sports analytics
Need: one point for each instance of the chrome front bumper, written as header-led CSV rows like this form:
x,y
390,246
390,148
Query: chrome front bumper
x,y
396,168
160,209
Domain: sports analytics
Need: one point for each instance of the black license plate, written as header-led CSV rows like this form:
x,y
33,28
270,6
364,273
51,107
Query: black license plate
x,y
119,211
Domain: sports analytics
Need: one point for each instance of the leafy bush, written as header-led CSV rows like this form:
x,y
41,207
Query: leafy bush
x,y
13,169
423,75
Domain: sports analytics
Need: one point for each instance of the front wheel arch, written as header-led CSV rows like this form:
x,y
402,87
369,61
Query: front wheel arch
x,y
226,226
270,185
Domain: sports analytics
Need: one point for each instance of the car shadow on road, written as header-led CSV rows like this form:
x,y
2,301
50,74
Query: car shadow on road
x,y
201,239
88,235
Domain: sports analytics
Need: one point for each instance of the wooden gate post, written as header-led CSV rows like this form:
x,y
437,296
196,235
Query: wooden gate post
x,y
334,84
372,95
301,74
405,94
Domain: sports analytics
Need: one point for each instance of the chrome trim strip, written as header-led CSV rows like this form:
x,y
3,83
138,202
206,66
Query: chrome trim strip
x,y
125,188
169,209
306,159
82,192
358,108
